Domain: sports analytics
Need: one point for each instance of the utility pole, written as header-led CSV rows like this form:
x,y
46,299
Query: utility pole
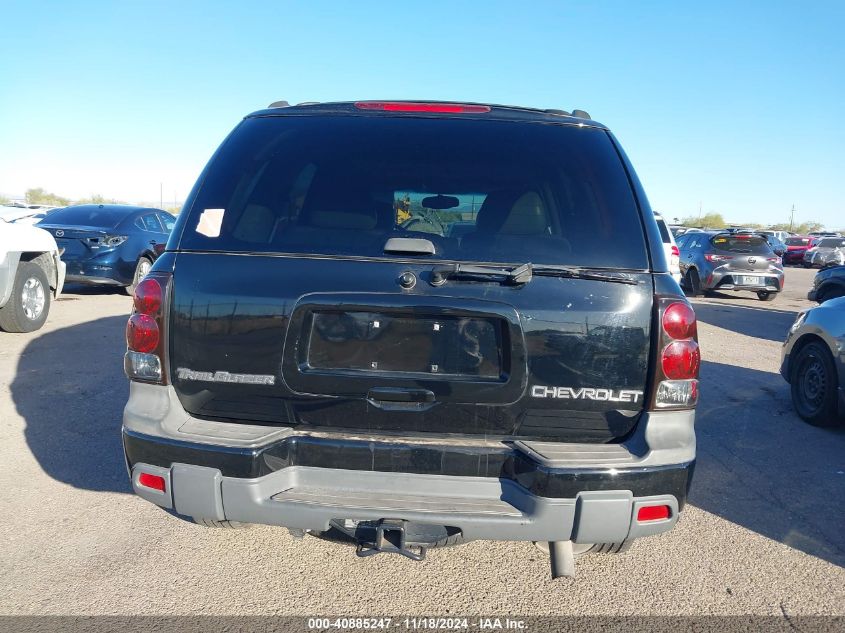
x,y
699,211
160,195
792,218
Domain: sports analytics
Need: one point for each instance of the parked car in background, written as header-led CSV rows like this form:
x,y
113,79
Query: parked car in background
x,y
111,244
673,255
828,251
778,247
824,234
780,235
813,363
796,246
20,214
828,283
715,261
31,273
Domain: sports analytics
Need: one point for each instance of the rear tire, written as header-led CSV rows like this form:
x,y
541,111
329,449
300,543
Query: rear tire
x,y
765,295
29,305
694,283
830,294
814,384
141,269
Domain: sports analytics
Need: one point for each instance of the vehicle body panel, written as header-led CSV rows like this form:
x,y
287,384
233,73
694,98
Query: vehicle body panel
x,y
825,322
89,256
827,251
796,246
369,348
670,248
19,239
828,283
730,270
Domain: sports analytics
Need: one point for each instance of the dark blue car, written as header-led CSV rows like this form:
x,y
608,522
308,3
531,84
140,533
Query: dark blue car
x,y
109,244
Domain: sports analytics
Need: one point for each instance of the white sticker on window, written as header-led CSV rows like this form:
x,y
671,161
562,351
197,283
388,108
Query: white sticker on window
x,y
210,222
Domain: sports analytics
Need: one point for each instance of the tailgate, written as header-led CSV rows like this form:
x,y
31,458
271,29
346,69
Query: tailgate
x,y
278,340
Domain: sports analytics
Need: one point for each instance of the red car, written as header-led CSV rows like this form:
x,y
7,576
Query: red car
x,y
796,246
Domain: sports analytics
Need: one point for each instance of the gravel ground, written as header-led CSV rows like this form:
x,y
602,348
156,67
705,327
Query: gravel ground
x,y
763,533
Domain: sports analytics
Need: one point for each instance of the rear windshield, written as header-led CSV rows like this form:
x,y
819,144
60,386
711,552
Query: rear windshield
x,y
86,216
832,242
741,243
797,241
482,191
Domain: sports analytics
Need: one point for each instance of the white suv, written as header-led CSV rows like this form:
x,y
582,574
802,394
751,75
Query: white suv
x,y
31,270
673,255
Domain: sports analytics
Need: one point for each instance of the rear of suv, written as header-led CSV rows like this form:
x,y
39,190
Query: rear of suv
x,y
410,325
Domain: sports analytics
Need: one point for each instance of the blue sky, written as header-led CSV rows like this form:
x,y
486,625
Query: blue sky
x,y
734,106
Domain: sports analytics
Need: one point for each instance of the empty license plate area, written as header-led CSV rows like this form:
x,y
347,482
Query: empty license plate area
x,y
382,343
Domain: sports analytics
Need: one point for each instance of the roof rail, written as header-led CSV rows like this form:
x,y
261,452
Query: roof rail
x,y
581,114
556,111
279,104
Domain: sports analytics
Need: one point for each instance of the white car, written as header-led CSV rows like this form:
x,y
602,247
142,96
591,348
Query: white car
x,y
673,255
31,272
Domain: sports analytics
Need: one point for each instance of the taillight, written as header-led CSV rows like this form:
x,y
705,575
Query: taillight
x,y
142,333
679,359
710,257
404,106
675,251
145,330
147,298
679,321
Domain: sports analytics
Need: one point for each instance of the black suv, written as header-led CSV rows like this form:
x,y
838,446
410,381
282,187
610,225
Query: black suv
x,y
408,325
828,283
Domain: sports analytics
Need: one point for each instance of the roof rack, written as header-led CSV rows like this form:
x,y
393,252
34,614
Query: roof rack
x,y
581,114
279,104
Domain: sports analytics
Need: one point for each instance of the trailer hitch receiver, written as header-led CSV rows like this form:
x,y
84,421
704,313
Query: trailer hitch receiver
x,y
390,539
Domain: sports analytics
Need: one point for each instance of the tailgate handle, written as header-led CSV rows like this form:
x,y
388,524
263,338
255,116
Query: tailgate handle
x,y
396,394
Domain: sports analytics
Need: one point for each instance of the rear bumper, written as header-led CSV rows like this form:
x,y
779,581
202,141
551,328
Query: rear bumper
x,y
768,282
306,498
488,489
92,280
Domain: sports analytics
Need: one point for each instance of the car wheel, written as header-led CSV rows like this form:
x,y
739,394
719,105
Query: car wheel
x,y
765,295
141,270
694,283
29,305
807,265
814,385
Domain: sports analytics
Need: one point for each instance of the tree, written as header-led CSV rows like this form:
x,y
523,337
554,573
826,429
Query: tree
x,y
4,200
96,198
37,195
710,220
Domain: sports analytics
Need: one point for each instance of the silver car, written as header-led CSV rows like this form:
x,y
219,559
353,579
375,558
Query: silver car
x,y
813,363
718,261
829,251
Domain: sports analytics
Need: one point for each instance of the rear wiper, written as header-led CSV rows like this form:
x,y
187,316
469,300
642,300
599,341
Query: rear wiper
x,y
570,272
515,276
